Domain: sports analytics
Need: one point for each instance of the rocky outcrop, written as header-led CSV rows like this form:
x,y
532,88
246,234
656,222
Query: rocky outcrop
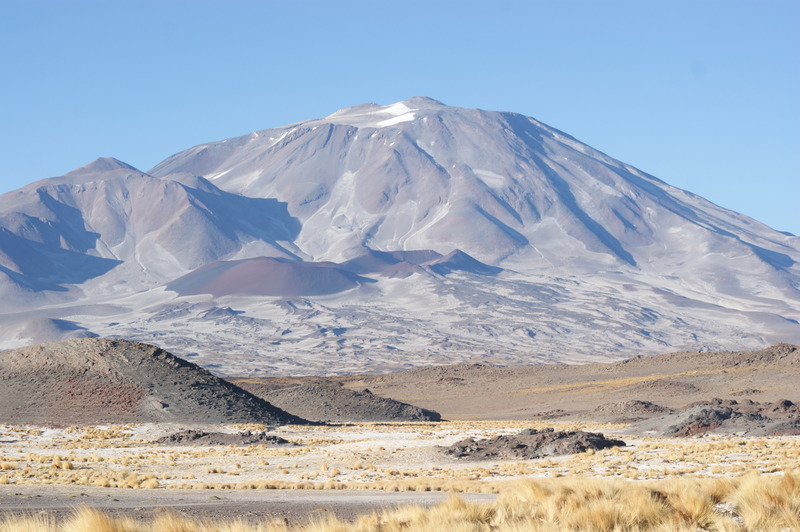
x,y
200,437
726,416
531,443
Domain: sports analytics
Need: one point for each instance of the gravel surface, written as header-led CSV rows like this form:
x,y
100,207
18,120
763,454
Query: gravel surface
x,y
296,506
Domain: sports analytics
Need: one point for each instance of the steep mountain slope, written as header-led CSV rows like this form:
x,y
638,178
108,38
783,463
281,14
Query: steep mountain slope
x,y
109,216
383,237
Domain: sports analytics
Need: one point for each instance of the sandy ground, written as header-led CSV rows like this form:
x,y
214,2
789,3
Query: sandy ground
x,y
294,506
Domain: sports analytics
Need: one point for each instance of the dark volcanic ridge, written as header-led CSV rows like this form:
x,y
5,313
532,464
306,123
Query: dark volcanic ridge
x,y
332,402
90,381
726,416
530,444
193,437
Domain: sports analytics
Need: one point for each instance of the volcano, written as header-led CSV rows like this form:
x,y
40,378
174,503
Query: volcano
x,y
384,237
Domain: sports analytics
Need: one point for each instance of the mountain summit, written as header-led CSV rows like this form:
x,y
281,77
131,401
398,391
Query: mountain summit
x,y
102,166
553,250
419,174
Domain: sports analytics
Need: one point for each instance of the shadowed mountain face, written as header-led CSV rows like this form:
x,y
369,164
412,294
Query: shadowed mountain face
x,y
426,233
108,215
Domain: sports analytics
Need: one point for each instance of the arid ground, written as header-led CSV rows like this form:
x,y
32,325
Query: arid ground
x,y
585,392
297,473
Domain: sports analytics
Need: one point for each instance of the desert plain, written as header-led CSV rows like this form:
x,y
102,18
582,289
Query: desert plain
x,y
710,425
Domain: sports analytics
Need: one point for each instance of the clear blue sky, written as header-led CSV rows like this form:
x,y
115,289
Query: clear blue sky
x,y
703,94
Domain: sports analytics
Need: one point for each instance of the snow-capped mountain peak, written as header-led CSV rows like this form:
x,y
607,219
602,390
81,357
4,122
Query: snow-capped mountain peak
x,y
377,116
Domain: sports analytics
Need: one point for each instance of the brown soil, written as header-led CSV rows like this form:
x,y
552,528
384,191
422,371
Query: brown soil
x,y
293,507
633,410
575,392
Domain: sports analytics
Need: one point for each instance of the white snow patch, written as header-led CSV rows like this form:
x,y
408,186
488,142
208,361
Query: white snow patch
x,y
408,117
396,109
212,177
373,116
283,136
492,179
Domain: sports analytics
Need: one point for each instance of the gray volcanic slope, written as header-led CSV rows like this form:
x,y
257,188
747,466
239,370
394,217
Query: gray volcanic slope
x,y
322,401
91,380
386,237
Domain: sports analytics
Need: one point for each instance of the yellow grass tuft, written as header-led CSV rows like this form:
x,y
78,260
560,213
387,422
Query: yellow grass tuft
x,y
28,523
91,520
756,502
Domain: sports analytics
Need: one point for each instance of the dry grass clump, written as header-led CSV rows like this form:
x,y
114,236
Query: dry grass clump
x,y
770,506
28,523
752,503
91,520
655,459
387,456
